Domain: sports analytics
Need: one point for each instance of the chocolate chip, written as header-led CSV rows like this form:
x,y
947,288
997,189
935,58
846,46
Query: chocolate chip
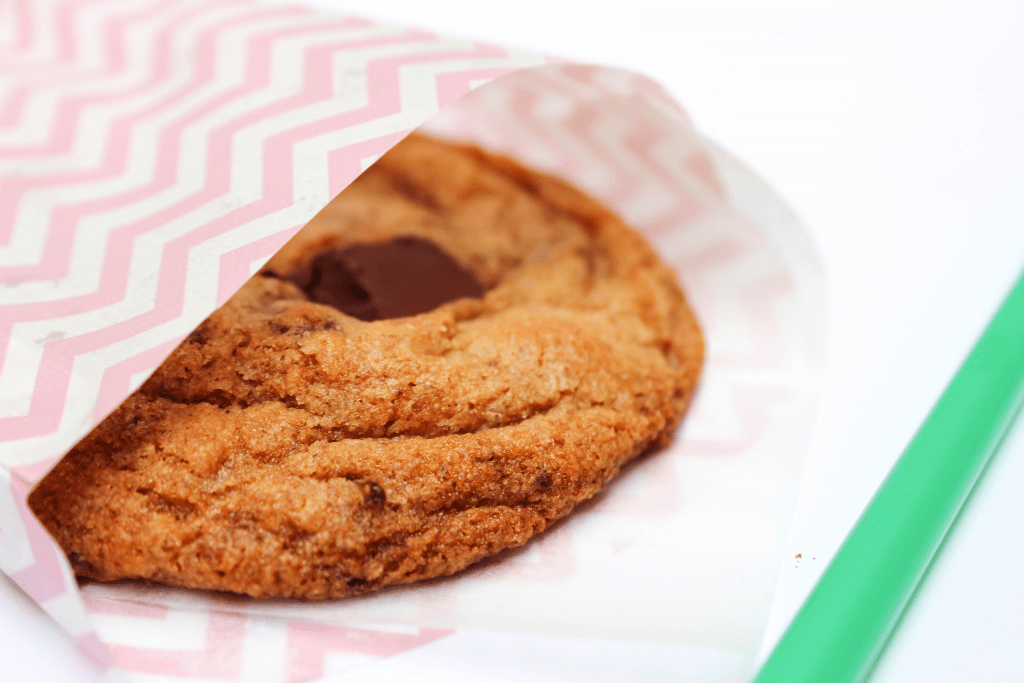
x,y
401,277
375,494
198,336
79,564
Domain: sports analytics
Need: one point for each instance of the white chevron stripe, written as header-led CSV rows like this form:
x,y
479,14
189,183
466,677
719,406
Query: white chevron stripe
x,y
15,552
7,84
18,375
43,46
90,28
36,120
7,28
179,630
68,608
425,74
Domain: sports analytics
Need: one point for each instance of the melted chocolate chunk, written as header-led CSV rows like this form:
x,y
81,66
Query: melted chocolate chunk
x,y
404,276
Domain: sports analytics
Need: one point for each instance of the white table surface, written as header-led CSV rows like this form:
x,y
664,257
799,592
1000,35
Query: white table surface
x,y
896,131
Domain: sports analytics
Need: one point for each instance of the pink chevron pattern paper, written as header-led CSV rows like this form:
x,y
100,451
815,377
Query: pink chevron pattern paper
x,y
154,153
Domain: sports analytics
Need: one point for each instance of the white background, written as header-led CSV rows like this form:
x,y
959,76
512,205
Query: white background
x,y
896,131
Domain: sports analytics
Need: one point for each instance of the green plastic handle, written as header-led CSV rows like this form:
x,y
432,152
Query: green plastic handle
x,y
842,628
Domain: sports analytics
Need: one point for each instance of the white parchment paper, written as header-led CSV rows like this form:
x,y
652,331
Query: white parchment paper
x,y
681,553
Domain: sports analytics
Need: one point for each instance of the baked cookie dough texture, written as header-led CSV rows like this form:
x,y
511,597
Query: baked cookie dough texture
x,y
286,449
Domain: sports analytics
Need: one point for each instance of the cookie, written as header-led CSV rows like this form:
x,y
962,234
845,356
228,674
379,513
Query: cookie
x,y
288,448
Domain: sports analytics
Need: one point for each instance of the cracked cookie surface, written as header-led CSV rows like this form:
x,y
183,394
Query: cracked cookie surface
x,y
286,449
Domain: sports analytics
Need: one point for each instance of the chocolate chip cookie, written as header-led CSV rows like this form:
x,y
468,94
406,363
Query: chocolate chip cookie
x,y
448,358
